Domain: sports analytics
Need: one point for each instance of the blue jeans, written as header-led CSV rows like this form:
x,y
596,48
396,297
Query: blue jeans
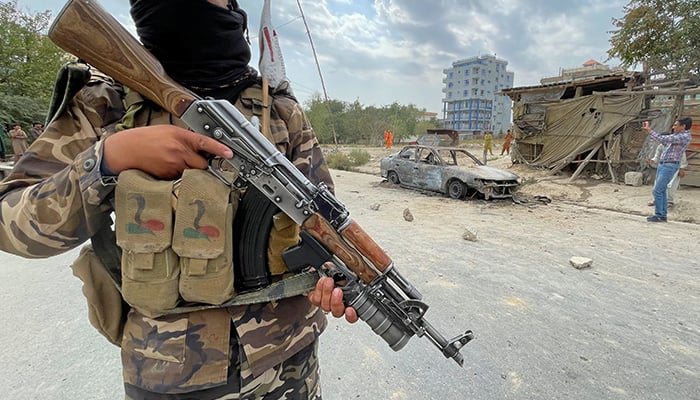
x,y
664,174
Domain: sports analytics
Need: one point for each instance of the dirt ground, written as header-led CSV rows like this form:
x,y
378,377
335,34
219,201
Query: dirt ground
x,y
626,328
584,191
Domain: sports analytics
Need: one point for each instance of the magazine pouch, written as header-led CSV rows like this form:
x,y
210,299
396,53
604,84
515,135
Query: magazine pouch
x,y
144,224
203,238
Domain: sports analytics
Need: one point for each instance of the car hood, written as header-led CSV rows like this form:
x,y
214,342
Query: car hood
x,y
485,172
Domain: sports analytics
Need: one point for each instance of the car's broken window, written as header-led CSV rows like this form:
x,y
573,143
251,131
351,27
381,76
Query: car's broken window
x,y
407,154
448,157
463,159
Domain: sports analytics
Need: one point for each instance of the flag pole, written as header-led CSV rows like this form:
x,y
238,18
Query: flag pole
x,y
266,108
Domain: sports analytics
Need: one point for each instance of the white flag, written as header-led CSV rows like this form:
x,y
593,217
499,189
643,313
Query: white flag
x,y
271,63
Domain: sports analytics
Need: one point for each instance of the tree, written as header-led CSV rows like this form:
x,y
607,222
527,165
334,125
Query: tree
x,y
661,35
321,115
355,123
29,62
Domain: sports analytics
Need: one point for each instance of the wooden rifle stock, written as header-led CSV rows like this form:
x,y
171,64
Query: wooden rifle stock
x,y
84,29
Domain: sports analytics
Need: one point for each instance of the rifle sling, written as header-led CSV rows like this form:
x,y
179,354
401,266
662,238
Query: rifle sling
x,y
295,285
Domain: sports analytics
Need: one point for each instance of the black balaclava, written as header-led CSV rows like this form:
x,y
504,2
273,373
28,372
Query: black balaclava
x,y
201,45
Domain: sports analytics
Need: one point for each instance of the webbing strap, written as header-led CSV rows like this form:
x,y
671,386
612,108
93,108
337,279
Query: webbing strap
x,y
295,285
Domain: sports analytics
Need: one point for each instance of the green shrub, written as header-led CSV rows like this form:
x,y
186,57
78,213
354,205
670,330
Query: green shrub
x,y
338,160
359,157
346,162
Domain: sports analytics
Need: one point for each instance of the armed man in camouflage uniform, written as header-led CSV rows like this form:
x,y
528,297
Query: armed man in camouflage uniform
x,y
61,194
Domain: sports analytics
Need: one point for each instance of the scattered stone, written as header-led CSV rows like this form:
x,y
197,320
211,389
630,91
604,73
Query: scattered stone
x,y
634,178
580,262
407,215
469,235
375,206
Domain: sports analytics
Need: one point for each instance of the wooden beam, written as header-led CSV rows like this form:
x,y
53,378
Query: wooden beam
x,y
585,161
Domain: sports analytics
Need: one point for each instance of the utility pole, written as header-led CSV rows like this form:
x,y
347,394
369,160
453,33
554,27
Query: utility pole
x,y
318,67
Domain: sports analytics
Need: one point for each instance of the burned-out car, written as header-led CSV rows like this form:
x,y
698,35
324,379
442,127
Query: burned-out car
x,y
450,170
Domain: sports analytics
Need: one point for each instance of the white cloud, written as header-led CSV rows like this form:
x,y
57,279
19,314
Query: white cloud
x,y
395,50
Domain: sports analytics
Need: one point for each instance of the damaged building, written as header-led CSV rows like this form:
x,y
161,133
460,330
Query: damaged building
x,y
588,121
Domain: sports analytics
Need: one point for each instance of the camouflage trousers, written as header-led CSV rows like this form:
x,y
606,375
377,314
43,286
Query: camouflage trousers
x,y
297,378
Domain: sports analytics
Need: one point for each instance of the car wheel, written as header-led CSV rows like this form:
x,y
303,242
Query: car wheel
x,y
456,189
393,177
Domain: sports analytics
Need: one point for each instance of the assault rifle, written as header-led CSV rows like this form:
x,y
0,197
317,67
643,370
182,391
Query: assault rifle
x,y
380,295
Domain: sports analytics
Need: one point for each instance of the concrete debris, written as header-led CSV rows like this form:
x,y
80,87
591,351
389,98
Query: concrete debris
x,y
633,178
407,215
469,235
375,206
580,262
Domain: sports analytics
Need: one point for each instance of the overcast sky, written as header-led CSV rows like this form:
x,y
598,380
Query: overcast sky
x,y
385,51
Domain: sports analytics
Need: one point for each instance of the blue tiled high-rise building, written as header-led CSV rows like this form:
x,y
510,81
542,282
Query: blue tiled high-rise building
x,y
473,102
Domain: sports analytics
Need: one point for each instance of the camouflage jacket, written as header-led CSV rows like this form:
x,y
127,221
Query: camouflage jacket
x,y
56,198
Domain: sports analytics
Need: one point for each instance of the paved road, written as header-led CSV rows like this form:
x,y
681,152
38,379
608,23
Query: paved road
x,y
627,328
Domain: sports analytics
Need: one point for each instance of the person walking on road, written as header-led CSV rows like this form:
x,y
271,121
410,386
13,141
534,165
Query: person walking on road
x,y
506,142
669,162
488,144
388,138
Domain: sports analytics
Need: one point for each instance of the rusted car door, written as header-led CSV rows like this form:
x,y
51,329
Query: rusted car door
x,y
404,166
428,171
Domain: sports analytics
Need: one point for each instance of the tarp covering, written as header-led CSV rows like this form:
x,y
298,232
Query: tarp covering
x,y
553,94
577,125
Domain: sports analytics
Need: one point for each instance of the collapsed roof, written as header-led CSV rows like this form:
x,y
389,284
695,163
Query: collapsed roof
x,y
589,118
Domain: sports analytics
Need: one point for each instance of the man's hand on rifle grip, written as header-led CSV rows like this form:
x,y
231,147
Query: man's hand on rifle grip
x,y
330,298
163,151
